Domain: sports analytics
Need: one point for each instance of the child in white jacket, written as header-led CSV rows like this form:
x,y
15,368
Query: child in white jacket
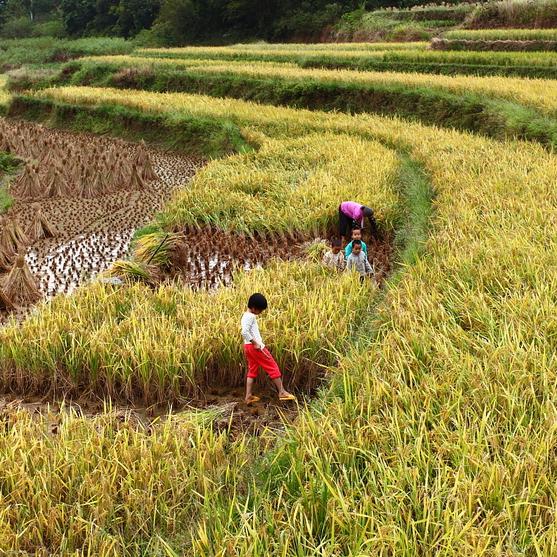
x,y
358,261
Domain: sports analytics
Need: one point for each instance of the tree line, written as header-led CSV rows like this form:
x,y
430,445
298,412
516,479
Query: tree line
x,y
181,21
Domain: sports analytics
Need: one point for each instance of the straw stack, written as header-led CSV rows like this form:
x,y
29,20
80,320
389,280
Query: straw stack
x,y
5,303
12,237
40,227
20,286
6,261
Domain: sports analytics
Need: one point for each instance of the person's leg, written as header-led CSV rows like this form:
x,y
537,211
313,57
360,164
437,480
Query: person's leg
x,y
343,224
249,388
270,366
282,392
253,371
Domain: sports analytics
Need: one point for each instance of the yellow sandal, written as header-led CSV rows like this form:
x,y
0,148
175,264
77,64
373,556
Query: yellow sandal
x,y
287,397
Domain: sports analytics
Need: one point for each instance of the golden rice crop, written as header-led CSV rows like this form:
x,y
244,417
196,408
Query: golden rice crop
x,y
537,93
101,486
329,47
502,34
282,51
356,55
137,343
290,186
438,433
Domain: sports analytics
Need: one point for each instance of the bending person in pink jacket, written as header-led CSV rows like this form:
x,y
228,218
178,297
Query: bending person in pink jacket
x,y
351,214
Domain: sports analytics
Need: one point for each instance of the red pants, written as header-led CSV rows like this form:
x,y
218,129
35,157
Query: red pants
x,y
260,358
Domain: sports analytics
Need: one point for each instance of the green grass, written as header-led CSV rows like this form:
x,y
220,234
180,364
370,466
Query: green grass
x,y
15,53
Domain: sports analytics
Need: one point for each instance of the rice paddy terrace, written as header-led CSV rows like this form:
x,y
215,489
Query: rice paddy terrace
x,y
431,427
78,201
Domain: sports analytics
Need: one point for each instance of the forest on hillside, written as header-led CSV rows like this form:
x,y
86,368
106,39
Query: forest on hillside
x,y
180,21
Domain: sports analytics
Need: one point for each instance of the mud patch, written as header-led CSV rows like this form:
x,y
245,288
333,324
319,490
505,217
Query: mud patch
x,y
224,409
207,257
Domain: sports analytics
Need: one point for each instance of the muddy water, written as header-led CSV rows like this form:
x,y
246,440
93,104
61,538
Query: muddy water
x,y
208,257
62,267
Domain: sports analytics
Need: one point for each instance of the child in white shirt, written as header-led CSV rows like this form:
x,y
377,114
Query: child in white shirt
x,y
257,355
334,258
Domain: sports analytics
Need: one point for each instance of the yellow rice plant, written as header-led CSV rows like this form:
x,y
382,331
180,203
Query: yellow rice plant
x,y
289,187
356,55
102,485
156,248
282,51
441,441
438,434
135,343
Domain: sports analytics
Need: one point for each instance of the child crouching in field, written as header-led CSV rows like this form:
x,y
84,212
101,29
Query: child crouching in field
x,y
334,258
257,355
358,261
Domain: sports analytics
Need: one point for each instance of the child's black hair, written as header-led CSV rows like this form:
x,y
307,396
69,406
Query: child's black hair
x,y
356,243
257,301
336,243
357,228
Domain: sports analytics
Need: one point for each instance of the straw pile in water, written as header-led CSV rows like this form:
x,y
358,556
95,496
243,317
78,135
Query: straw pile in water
x,y
40,227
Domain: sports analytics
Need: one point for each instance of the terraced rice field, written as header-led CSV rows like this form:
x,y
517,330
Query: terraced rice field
x,y
426,421
531,64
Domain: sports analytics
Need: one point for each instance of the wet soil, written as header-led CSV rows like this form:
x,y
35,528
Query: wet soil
x,y
207,257
226,409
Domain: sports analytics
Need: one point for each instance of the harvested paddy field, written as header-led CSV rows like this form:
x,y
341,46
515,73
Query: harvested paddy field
x,y
78,200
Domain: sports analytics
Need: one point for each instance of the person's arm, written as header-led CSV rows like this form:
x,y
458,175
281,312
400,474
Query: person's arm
x,y
342,262
368,267
350,263
364,248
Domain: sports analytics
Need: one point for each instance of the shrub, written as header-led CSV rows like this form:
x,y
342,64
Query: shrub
x,y
515,13
19,28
